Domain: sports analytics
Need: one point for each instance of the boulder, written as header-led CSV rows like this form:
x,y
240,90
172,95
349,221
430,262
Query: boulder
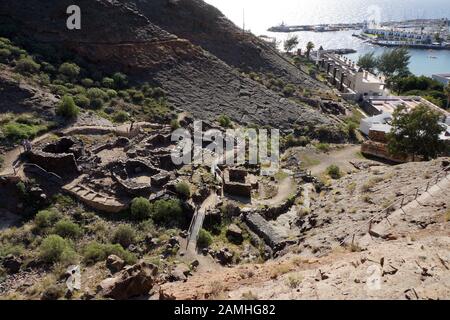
x,y
114,263
133,281
173,241
12,264
179,273
224,256
194,264
234,234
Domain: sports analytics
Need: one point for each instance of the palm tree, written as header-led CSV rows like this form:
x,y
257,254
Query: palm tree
x,y
447,93
309,47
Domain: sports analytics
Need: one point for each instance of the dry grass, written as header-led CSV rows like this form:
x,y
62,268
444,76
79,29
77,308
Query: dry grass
x,y
249,296
294,280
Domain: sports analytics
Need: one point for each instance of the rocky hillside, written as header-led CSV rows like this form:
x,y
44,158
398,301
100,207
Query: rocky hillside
x,y
139,38
410,261
205,26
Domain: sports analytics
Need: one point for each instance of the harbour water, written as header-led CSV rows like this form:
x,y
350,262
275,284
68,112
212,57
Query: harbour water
x,y
262,14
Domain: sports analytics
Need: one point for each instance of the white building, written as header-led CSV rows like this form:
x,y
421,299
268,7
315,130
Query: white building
x,y
379,122
349,78
403,35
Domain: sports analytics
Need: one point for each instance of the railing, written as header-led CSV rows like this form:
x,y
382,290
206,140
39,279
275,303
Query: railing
x,y
385,213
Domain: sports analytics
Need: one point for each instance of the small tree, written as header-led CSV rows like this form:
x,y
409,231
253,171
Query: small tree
x,y
416,133
67,108
368,61
309,47
393,63
290,43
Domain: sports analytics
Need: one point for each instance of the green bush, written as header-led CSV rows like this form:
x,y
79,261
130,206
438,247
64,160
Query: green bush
x,y
205,239
124,235
158,93
121,116
46,219
137,97
120,80
56,249
167,212
95,252
5,55
140,208
67,108
96,93
108,82
70,70
86,82
96,103
324,147
19,131
68,229
334,172
26,66
111,93
289,90
183,189
224,121
82,101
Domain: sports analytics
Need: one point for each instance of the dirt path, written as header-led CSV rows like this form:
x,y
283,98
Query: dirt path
x,y
285,189
340,157
11,158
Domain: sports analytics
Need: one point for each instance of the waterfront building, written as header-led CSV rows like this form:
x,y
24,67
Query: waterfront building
x,y
443,78
352,81
413,36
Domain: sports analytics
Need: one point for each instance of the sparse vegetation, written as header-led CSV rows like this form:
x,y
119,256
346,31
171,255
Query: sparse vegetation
x,y
46,219
205,239
67,108
68,229
334,172
124,235
56,249
224,121
95,252
183,189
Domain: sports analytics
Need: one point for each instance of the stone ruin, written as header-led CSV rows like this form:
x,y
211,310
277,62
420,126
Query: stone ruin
x,y
59,156
236,183
108,175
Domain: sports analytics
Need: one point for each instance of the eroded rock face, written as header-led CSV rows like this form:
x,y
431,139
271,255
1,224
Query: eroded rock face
x,y
133,281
